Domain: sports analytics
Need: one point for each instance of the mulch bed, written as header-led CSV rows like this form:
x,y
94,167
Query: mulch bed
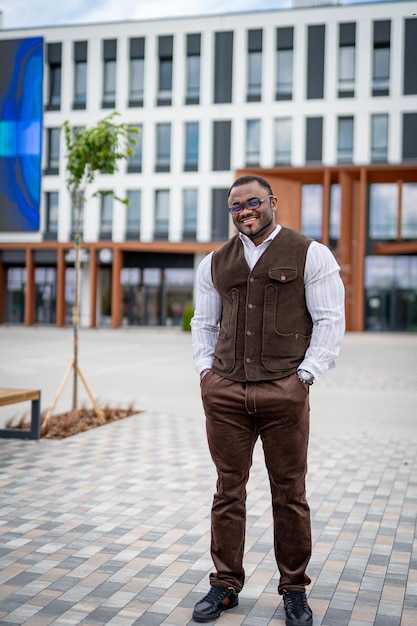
x,y
64,425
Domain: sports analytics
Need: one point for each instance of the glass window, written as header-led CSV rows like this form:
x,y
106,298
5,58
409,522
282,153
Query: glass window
x,y
165,79
346,83
51,222
282,141
193,79
109,82
254,87
335,213
379,138
163,147
133,213
80,83
409,211
55,85
161,214
53,150
312,211
383,202
380,77
253,141
135,161
345,140
284,74
190,213
191,146
106,216
136,81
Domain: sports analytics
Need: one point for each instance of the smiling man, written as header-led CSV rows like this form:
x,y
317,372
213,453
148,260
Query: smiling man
x,y
269,319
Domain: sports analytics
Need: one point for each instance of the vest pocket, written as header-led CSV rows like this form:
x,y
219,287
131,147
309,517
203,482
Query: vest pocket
x,y
225,352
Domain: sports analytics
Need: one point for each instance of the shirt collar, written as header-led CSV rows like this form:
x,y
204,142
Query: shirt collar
x,y
248,241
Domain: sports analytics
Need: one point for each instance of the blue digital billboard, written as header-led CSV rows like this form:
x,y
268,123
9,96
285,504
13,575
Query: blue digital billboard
x,y
21,74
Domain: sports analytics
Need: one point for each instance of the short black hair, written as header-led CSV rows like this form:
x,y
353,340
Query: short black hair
x,y
250,178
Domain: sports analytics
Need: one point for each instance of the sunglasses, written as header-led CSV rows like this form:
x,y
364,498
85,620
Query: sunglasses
x,y
254,203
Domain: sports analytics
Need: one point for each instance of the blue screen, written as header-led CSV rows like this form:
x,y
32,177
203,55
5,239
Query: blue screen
x,y
21,73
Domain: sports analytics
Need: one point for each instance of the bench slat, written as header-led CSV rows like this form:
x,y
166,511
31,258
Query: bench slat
x,y
12,396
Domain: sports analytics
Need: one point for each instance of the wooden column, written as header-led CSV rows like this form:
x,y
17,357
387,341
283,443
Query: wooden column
x,y
60,287
325,225
93,287
30,288
344,248
358,254
116,295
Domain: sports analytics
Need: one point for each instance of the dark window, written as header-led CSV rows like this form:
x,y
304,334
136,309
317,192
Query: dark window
x,y
109,73
191,146
189,228
106,216
254,77
165,48
314,140
53,147
136,71
223,67
381,58
253,142
315,62
285,59
220,215
410,137
54,74
135,161
221,145
345,140
51,221
410,57
80,75
161,214
193,63
346,69
133,211
163,148
379,138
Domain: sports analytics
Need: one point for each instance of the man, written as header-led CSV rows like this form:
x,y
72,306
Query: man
x,y
269,319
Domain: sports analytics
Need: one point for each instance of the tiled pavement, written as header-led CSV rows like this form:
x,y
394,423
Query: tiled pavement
x,y
112,526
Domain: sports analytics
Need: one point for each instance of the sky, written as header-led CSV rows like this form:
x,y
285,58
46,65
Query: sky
x,y
30,13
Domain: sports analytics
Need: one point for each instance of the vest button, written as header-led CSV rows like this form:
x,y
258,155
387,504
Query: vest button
x,y
250,306
248,360
251,280
248,332
283,277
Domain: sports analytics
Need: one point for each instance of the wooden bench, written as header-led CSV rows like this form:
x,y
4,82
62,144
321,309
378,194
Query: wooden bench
x,y
12,396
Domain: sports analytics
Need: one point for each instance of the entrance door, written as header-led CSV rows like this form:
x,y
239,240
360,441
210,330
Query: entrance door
x,y
15,295
391,293
45,297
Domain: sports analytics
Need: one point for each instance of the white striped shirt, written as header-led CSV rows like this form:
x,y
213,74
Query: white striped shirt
x,y
324,293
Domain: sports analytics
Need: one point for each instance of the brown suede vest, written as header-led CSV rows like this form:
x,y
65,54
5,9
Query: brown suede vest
x,y
266,327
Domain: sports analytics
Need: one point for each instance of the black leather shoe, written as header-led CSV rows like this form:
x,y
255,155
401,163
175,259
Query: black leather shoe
x,y
297,611
217,600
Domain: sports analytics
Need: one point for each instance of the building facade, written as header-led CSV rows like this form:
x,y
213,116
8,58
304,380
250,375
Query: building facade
x,y
321,100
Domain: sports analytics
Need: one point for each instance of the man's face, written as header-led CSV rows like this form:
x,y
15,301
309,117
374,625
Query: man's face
x,y
255,223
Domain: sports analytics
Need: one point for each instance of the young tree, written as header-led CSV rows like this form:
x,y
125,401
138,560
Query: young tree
x,y
90,151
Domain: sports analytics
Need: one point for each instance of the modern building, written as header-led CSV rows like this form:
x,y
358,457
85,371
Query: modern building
x,y
320,99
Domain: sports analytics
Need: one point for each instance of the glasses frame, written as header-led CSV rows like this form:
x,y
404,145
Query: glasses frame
x,y
238,208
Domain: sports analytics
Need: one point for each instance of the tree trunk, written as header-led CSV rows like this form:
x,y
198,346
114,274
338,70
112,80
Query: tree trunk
x,y
78,196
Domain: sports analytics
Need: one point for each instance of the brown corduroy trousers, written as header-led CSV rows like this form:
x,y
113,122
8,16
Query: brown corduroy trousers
x,y
236,415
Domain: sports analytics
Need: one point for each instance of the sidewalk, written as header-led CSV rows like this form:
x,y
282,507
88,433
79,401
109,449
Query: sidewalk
x,y
112,526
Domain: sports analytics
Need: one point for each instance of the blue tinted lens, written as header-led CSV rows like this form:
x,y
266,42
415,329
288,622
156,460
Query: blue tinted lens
x,y
237,208
253,204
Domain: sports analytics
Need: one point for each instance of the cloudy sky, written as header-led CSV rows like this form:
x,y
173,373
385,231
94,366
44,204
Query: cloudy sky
x,y
27,13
